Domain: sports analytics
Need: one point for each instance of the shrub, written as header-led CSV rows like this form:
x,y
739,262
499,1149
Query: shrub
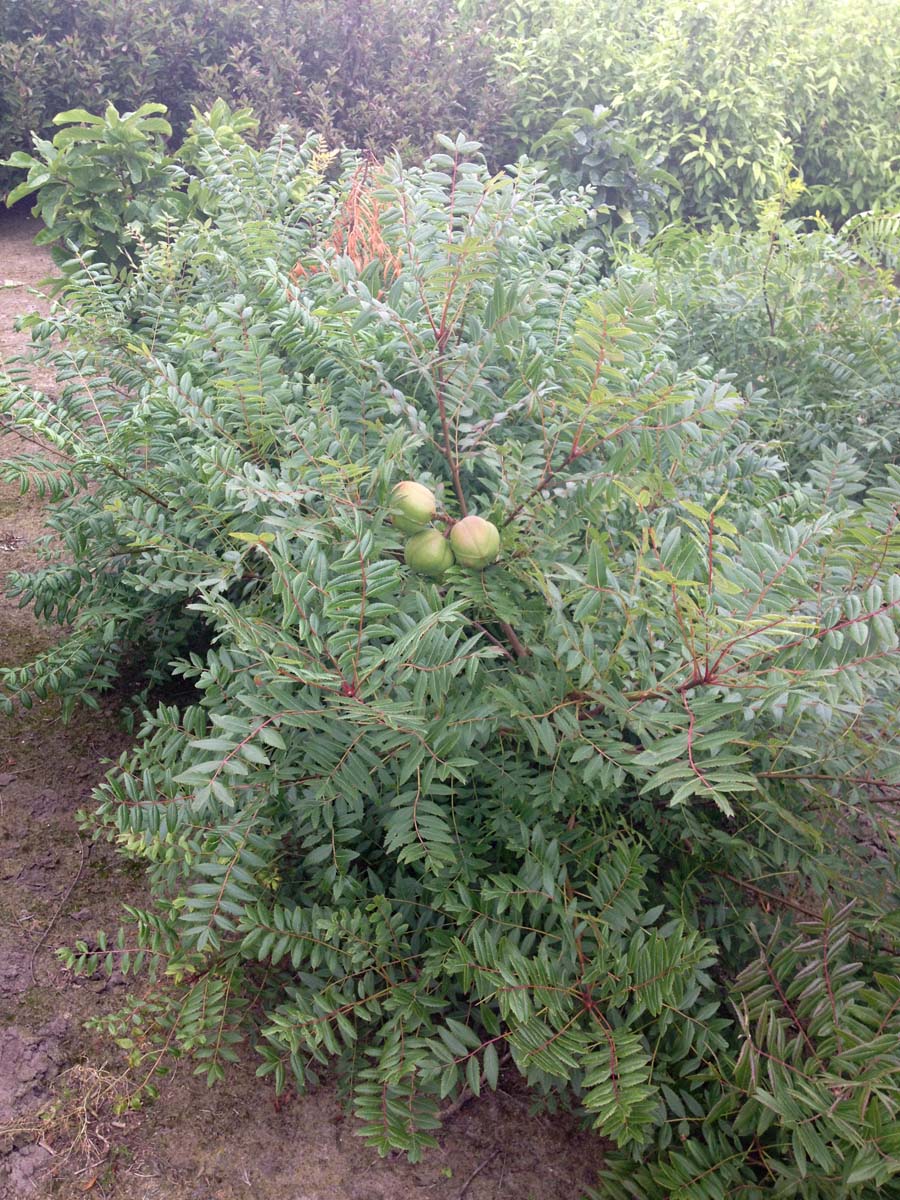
x,y
709,99
379,74
807,325
101,182
59,56
375,75
724,93
561,816
629,194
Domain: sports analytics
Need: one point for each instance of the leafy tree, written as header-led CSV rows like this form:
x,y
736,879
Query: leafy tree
x,y
608,812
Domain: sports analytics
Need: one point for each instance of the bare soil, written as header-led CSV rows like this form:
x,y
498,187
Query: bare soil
x,y
231,1143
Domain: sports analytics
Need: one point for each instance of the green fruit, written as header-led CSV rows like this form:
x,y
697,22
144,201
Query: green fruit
x,y
428,553
475,542
413,506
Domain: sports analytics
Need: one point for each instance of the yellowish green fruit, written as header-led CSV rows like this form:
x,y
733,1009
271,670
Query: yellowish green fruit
x,y
475,542
413,506
428,553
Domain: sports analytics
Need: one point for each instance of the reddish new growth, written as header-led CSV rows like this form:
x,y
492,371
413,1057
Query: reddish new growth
x,y
357,231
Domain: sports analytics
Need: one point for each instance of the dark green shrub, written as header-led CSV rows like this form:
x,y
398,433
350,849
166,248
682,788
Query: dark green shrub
x,y
559,816
374,74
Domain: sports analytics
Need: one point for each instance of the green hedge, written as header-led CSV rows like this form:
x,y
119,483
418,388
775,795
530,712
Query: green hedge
x,y
375,74
720,96
724,93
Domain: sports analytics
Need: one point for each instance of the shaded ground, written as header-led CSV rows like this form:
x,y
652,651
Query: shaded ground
x,y
192,1144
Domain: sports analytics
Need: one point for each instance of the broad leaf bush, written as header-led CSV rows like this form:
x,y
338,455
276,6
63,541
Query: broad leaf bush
x,y
723,93
101,182
55,56
607,814
107,186
379,74
589,150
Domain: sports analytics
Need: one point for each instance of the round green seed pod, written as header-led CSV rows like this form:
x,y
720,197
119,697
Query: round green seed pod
x,y
413,505
428,553
475,542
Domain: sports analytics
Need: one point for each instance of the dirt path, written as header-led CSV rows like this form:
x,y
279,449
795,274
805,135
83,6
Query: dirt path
x,y
22,266
192,1144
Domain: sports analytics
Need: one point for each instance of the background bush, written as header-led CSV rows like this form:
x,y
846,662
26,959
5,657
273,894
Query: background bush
x,y
376,74
610,813
722,93
707,100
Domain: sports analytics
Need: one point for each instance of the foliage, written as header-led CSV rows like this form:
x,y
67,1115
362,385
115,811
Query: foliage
x,y
725,91
814,1032
55,55
588,149
709,100
374,74
556,817
807,324
100,182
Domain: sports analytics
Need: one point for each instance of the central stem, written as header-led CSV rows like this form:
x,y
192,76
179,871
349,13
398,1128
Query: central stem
x,y
448,448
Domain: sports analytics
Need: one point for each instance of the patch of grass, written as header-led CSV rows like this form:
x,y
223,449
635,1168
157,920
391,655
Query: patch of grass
x,y
81,1123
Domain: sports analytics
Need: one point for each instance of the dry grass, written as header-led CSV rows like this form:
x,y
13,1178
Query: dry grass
x,y
79,1124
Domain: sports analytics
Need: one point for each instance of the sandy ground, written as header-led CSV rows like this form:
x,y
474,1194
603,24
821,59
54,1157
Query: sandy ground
x,y
232,1143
